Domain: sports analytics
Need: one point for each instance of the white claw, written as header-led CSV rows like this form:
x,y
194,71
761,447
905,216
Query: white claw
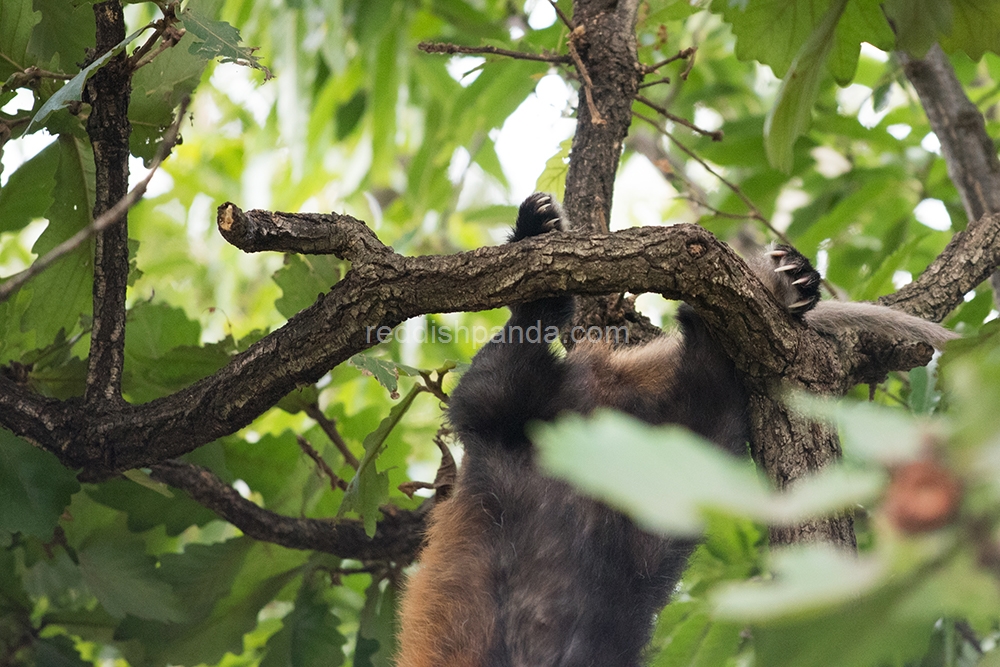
x,y
785,267
544,207
777,253
801,281
800,304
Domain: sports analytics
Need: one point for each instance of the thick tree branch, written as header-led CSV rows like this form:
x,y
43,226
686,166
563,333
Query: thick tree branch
x,y
108,93
604,39
397,538
383,289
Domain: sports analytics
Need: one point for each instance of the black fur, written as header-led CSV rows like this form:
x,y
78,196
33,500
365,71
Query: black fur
x,y
575,583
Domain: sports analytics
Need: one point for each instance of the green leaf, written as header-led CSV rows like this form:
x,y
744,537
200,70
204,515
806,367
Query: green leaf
x,y
806,578
157,88
918,23
17,20
975,28
58,651
385,372
772,31
126,581
553,176
310,635
792,111
668,479
303,278
377,631
217,39
34,488
28,193
72,90
264,572
370,488
147,508
62,294
61,39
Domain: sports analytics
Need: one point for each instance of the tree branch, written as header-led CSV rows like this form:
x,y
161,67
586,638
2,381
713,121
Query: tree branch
x,y
384,289
397,538
108,93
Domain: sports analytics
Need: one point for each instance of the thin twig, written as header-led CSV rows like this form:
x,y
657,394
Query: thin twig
x,y
662,79
562,17
171,37
443,47
595,116
159,27
433,385
106,219
754,211
715,135
330,428
335,481
715,211
683,53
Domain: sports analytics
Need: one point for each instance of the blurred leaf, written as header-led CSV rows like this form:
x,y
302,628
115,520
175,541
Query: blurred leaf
x,y
147,507
36,488
377,632
126,581
667,478
792,112
17,20
28,193
309,636
370,488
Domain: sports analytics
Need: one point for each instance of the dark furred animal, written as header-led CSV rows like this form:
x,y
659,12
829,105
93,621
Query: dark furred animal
x,y
519,570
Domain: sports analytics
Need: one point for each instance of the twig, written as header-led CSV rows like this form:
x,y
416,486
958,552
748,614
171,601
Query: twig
x,y
719,213
398,537
683,53
441,47
662,79
335,481
595,116
715,135
106,219
433,386
754,211
562,17
330,428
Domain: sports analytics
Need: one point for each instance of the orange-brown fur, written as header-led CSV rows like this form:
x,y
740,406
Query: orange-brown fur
x,y
449,591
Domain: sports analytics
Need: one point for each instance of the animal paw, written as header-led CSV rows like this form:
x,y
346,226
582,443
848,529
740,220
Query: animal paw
x,y
799,281
539,213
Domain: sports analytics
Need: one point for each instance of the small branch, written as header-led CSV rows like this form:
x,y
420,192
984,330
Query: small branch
x,y
304,233
562,17
682,54
107,218
588,86
754,211
433,385
446,48
335,481
664,79
398,537
330,428
715,135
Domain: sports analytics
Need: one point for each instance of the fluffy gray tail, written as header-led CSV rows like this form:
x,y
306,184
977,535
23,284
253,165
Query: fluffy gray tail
x,y
836,316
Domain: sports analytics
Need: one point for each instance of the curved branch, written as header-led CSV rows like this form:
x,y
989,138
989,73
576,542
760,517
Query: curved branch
x,y
397,538
384,289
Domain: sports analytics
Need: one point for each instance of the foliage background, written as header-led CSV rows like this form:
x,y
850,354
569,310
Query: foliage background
x,y
358,120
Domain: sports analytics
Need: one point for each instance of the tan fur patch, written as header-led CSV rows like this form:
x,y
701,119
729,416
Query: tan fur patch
x,y
445,611
617,374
